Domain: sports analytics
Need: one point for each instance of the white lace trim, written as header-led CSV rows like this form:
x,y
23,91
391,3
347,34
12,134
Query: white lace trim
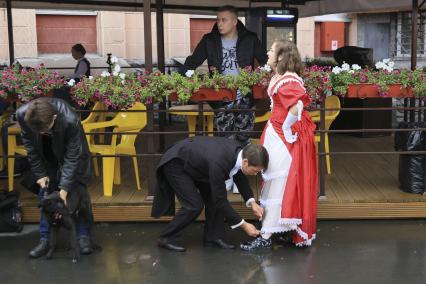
x,y
306,242
294,78
290,221
291,224
269,202
275,230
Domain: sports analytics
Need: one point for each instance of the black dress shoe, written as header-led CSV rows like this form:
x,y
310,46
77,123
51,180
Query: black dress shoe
x,y
170,245
284,238
85,245
40,250
219,243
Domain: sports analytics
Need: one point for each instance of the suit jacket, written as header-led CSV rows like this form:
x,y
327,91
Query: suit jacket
x,y
69,145
208,160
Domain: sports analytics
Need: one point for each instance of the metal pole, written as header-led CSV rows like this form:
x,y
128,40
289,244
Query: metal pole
x,y
322,171
10,32
150,115
161,65
414,32
147,34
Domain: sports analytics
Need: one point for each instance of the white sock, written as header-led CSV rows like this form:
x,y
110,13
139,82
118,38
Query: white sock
x,y
266,236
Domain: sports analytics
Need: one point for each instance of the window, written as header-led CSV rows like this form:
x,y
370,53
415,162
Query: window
x,y
403,34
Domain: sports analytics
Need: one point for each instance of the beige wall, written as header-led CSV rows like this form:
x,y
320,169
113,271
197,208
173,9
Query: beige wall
x,y
353,30
111,33
306,36
24,32
121,33
177,35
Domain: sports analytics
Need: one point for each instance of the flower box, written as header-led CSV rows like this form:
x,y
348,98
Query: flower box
x,y
259,92
372,91
205,94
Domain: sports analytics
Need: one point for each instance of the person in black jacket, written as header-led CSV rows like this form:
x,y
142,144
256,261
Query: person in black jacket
x,y
59,157
198,170
227,48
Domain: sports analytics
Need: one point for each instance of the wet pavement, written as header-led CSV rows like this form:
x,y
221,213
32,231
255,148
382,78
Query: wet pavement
x,y
345,252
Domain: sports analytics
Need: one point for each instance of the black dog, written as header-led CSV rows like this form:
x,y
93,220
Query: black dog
x,y
59,215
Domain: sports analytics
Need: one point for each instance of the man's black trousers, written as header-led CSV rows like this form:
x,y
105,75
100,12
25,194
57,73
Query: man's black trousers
x,y
191,195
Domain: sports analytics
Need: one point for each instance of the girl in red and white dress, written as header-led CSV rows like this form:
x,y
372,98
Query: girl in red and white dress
x,y
289,193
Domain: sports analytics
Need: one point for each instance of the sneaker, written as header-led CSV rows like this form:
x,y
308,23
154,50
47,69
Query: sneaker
x,y
39,250
85,245
257,243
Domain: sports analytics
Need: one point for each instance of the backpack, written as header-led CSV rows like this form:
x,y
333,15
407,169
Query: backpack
x,y
10,212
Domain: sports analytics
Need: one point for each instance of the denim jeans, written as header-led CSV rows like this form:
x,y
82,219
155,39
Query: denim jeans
x,y
82,228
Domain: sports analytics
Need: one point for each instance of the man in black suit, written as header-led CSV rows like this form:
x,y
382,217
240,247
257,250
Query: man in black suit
x,y
200,169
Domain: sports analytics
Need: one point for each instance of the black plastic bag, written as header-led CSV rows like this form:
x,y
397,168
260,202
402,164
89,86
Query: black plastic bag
x,y
10,212
412,168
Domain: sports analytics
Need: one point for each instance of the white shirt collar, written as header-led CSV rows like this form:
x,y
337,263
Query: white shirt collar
x,y
239,162
238,165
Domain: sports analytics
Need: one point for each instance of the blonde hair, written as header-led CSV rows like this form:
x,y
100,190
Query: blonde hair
x,y
288,57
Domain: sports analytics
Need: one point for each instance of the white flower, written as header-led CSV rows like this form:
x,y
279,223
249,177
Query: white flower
x,y
356,67
114,59
122,76
351,71
266,68
391,64
336,70
71,82
90,77
123,82
386,61
380,65
117,68
114,73
189,73
346,67
105,74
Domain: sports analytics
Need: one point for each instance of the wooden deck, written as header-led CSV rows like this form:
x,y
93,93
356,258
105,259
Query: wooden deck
x,y
359,187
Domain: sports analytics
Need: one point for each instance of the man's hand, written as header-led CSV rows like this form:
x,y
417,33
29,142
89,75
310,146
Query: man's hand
x,y
250,229
43,182
257,210
63,195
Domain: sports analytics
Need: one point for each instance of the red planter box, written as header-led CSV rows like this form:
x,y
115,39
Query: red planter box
x,y
205,95
259,92
372,91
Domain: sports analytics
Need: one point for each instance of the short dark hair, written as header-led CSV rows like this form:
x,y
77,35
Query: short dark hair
x,y
256,155
228,8
79,48
39,115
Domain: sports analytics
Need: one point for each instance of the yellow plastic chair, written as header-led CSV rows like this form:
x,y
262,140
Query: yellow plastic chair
x,y
264,117
331,102
12,149
122,122
258,119
3,118
96,117
192,116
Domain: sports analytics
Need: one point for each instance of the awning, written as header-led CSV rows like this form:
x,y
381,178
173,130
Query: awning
x,y
311,7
